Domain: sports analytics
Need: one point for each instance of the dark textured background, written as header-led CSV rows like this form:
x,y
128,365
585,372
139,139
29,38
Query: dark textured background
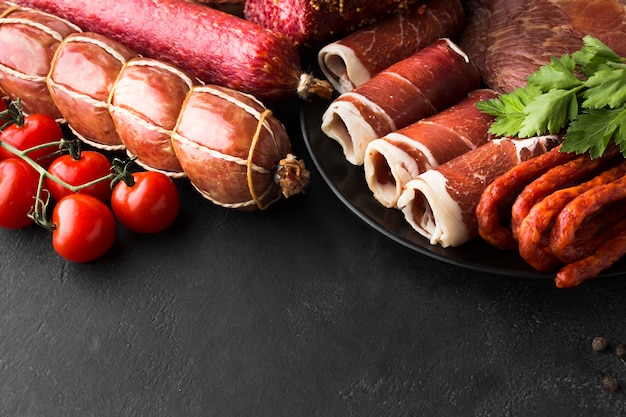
x,y
301,310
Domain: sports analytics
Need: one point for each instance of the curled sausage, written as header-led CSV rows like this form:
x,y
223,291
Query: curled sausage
x,y
534,229
560,176
499,195
567,223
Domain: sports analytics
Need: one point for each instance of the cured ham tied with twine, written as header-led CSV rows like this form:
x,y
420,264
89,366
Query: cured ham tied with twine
x,y
397,158
351,61
440,203
431,80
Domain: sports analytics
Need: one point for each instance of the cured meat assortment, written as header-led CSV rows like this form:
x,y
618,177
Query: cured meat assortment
x,y
429,81
440,203
312,22
24,74
83,101
351,61
397,158
214,46
510,39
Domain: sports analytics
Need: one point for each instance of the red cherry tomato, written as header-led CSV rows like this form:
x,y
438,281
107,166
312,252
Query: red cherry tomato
x,y
149,206
89,167
37,129
85,228
18,189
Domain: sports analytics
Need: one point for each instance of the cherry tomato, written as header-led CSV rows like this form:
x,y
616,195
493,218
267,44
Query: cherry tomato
x,y
149,206
85,228
18,189
89,167
37,129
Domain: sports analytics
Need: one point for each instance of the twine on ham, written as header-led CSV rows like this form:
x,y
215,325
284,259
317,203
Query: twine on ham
x,y
249,163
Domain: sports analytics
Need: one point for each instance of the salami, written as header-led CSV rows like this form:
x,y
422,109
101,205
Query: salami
x,y
83,101
397,158
351,61
211,45
312,22
28,41
431,80
440,203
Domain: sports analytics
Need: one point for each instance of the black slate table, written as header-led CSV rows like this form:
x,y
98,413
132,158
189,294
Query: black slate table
x,y
300,310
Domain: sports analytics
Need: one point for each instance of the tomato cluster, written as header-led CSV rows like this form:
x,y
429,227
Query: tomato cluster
x,y
90,194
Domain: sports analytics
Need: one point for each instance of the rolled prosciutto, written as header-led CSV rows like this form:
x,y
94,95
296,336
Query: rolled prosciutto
x,y
354,59
429,81
440,203
28,41
83,100
145,103
397,158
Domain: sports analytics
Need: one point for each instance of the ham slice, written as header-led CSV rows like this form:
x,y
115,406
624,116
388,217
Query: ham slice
x,y
354,59
440,203
397,158
431,80
509,39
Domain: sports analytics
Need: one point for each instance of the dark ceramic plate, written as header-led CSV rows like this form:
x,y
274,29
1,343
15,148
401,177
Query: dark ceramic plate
x,y
348,183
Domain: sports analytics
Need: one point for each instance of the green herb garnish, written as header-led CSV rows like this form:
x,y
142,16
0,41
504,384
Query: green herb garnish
x,y
583,93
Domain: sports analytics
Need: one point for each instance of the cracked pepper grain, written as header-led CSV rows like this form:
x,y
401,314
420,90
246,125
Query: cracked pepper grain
x,y
609,382
599,344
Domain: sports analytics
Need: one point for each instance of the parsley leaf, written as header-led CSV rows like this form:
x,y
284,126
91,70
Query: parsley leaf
x,y
593,130
583,93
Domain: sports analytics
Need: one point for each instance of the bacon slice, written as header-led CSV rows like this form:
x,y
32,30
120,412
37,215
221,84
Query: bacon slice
x,y
354,59
433,79
397,158
440,204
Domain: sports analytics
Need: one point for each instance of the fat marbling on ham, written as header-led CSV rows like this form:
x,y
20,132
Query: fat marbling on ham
x,y
510,39
440,203
429,81
351,61
400,156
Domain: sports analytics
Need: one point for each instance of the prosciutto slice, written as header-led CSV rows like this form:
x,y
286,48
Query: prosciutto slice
x,y
440,203
509,39
397,158
429,81
351,61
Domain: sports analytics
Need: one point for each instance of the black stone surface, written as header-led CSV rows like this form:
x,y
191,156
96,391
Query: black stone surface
x,y
300,310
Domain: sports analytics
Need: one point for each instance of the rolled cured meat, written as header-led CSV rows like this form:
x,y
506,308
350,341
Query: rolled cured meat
x,y
351,61
397,158
81,99
429,81
440,203
28,41
145,103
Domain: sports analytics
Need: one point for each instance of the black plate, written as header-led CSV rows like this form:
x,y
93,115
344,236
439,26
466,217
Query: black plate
x,y
347,181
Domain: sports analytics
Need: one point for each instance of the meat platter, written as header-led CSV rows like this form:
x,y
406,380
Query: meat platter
x,y
348,183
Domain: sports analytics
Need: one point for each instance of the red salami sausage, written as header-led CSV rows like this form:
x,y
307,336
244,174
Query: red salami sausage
x,y
313,21
351,61
212,45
